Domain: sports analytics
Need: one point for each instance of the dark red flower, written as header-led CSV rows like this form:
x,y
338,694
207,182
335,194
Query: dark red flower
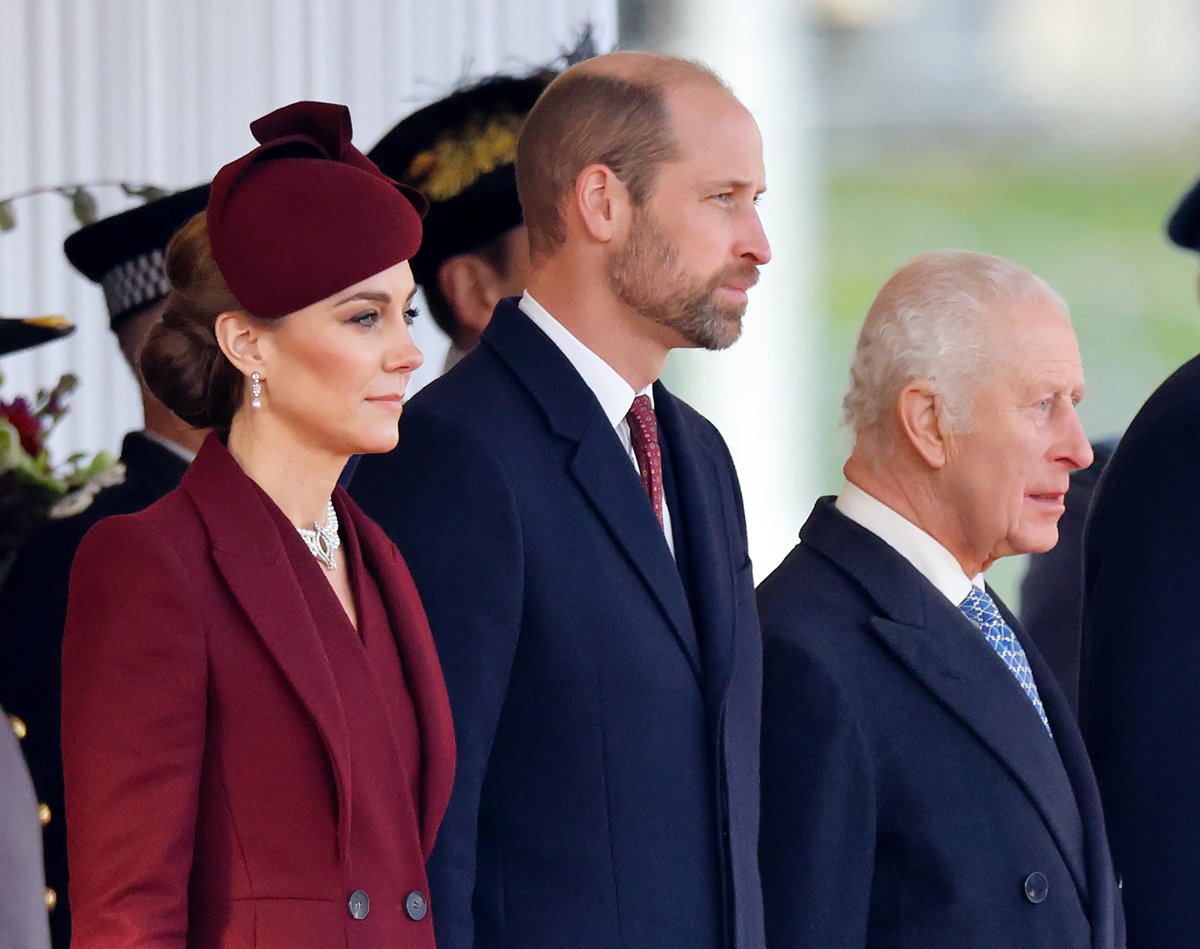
x,y
23,420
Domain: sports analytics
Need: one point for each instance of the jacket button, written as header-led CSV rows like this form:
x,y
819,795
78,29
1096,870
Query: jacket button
x,y
51,900
18,727
1120,882
415,906
359,904
1036,887
44,814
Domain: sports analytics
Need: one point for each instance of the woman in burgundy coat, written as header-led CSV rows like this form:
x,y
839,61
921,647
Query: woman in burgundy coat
x,y
256,738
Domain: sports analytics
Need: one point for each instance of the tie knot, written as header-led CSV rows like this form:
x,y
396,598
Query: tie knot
x,y
641,417
979,608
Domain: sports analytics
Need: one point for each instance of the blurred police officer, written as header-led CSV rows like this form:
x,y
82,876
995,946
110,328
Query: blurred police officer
x,y
23,896
460,152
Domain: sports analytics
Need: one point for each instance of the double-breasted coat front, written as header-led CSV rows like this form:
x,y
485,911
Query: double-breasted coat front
x,y
911,795
235,764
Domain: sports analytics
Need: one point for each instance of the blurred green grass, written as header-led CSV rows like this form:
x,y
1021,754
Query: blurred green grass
x,y
1091,224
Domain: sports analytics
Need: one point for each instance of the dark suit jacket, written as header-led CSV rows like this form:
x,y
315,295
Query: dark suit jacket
x,y
33,611
22,910
1052,589
911,795
205,742
1139,704
607,710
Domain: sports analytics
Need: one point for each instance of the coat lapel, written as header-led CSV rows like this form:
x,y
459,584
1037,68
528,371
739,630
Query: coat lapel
x,y
418,658
250,555
712,563
943,650
597,464
1101,879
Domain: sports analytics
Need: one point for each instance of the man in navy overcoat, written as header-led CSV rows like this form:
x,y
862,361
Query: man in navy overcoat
x,y
1138,701
924,782
577,536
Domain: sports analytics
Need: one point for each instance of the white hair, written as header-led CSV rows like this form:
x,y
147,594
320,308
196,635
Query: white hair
x,y
929,322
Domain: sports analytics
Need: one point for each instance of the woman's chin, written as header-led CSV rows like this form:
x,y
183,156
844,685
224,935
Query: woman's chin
x,y
377,443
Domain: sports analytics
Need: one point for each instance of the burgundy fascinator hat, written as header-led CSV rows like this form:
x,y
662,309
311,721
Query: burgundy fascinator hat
x,y
306,214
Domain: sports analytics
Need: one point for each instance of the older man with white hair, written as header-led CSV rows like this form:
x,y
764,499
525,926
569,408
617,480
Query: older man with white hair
x,y
924,782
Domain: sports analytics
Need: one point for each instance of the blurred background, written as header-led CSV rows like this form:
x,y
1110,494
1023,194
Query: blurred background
x,y
1055,132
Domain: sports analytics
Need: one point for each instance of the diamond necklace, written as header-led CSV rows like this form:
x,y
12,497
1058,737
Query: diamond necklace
x,y
323,541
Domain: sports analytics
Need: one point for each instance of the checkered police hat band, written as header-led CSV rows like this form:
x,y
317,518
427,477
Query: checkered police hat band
x,y
135,283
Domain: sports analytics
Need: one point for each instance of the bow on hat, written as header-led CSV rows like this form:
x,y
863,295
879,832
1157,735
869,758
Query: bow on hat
x,y
325,124
306,214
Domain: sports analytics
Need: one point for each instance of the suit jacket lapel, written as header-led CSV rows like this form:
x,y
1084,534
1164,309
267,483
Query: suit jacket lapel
x,y
250,555
711,562
418,658
598,465
947,654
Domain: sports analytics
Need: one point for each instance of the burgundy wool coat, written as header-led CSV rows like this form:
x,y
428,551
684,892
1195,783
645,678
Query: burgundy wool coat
x,y
207,746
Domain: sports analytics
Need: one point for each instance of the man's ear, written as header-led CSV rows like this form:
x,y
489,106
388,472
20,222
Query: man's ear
x,y
472,288
240,340
919,413
602,202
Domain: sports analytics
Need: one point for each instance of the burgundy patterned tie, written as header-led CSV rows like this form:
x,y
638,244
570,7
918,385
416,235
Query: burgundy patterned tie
x,y
643,436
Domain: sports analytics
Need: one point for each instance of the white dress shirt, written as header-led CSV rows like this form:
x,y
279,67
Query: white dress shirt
x,y
173,447
614,394
454,355
933,561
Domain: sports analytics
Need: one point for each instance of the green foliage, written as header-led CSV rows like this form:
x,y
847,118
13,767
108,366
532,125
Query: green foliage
x,y
32,487
82,196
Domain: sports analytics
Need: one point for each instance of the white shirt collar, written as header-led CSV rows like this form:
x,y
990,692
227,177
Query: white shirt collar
x,y
173,447
614,394
933,561
454,356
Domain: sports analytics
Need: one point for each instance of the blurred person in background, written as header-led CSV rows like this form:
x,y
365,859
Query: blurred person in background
x,y
124,255
459,153
924,780
1139,705
578,537
257,744
24,898
1052,590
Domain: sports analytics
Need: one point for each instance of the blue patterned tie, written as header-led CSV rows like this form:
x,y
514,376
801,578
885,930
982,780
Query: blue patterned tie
x,y
980,609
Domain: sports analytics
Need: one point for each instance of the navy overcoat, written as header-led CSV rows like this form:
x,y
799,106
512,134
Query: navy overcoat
x,y
911,795
1139,704
606,697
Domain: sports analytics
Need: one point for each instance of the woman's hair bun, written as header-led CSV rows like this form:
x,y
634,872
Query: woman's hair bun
x,y
181,362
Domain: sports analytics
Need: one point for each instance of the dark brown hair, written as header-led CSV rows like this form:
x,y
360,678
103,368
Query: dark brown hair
x,y
181,362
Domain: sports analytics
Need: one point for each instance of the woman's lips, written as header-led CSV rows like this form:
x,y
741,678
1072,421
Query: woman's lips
x,y
393,401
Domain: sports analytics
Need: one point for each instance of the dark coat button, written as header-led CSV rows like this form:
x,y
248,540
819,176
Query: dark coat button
x,y
415,906
1036,887
359,904
1120,882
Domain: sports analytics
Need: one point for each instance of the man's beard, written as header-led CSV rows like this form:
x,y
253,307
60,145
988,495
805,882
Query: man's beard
x,y
646,276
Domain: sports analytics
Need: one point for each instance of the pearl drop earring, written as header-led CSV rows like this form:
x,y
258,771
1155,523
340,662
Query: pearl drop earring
x,y
256,390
